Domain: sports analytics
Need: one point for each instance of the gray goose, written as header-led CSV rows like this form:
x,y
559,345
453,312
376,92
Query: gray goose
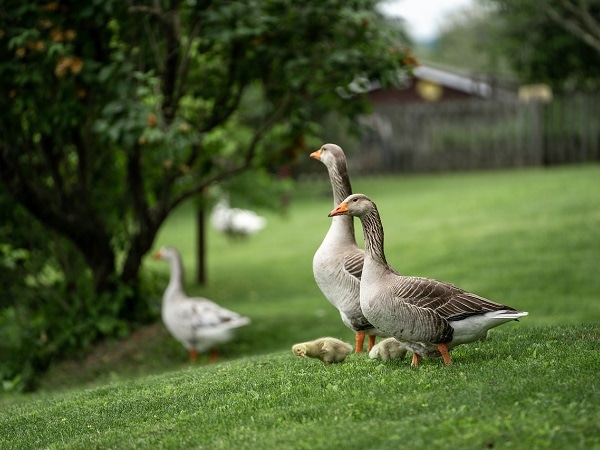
x,y
429,317
198,323
338,262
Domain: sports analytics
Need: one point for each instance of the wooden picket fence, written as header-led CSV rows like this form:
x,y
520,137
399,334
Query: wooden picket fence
x,y
478,134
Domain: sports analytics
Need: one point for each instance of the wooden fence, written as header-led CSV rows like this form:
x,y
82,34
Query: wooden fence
x,y
479,134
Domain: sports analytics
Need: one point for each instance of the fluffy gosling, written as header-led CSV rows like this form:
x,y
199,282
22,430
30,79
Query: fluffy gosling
x,y
388,349
327,349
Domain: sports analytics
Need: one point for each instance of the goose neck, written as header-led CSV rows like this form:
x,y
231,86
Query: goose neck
x,y
343,228
340,182
373,231
176,277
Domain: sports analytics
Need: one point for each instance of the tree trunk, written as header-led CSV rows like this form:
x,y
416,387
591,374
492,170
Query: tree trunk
x,y
201,250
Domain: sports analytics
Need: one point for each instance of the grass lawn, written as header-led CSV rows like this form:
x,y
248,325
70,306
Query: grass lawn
x,y
528,238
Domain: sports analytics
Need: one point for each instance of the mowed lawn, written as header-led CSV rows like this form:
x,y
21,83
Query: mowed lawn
x,y
528,238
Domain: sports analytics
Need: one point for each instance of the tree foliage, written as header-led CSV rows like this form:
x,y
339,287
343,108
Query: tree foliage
x,y
551,41
466,41
117,111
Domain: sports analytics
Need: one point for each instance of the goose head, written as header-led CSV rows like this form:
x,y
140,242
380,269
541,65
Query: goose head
x,y
299,350
328,154
166,253
354,205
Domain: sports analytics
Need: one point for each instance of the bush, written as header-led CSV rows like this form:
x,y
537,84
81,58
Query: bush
x,y
48,310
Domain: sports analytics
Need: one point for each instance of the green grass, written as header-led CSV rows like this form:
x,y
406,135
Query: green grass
x,y
524,388
528,238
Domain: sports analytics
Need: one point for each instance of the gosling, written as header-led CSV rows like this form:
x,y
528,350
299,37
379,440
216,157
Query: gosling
x,y
327,349
391,348
388,349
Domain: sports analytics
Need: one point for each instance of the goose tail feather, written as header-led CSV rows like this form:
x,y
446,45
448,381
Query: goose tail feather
x,y
504,315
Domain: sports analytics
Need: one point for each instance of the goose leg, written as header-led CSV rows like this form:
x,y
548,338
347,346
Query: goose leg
x,y
214,356
415,360
193,354
360,339
371,341
444,351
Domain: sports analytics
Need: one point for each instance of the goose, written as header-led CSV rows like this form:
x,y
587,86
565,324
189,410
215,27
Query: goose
x,y
235,221
430,317
198,323
338,262
327,349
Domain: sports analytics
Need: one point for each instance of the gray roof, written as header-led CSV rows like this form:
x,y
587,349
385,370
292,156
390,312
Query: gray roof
x,y
454,80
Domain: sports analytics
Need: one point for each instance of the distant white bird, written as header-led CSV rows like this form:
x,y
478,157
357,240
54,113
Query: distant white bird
x,y
198,323
327,349
235,221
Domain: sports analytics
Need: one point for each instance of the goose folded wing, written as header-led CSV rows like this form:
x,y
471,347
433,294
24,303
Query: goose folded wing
x,y
449,301
204,314
353,264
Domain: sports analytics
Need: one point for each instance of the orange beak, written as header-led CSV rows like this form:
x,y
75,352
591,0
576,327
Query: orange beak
x,y
316,155
157,255
340,210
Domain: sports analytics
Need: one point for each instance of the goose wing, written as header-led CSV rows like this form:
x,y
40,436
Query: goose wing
x,y
354,262
205,314
447,300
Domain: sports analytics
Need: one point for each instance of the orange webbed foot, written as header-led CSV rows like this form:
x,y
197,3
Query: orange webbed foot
x,y
444,351
416,359
371,342
360,339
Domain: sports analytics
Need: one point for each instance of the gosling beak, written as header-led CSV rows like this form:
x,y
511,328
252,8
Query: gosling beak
x,y
301,354
316,155
340,210
157,255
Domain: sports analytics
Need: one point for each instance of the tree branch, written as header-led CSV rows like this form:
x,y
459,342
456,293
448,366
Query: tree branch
x,y
170,22
575,26
156,10
592,22
248,157
51,162
183,66
227,101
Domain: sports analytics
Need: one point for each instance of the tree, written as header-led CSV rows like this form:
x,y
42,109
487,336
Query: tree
x,y
465,42
581,18
551,41
116,112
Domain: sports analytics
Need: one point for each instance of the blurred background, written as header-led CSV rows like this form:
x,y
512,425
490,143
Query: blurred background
x,y
125,122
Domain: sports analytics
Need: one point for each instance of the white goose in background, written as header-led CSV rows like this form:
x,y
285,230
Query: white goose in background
x,y
338,262
429,317
198,323
235,221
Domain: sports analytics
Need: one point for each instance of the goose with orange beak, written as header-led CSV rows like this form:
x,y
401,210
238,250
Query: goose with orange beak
x,y
429,317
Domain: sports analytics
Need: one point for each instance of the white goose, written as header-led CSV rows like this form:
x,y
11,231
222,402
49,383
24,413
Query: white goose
x,y
198,323
235,222
338,262
430,317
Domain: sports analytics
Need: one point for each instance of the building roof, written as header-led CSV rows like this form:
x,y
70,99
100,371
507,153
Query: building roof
x,y
453,80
